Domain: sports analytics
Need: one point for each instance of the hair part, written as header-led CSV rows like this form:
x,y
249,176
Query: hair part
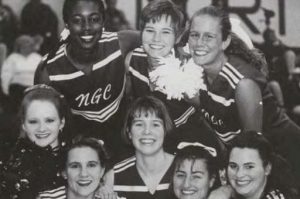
x,y
146,105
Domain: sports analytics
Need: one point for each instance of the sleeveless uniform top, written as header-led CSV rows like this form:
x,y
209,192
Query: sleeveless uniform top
x,y
58,193
129,184
218,106
180,111
96,98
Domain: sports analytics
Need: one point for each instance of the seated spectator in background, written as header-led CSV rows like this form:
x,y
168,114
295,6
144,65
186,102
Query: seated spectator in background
x,y
256,172
84,165
18,69
281,60
38,19
115,18
8,26
35,161
195,171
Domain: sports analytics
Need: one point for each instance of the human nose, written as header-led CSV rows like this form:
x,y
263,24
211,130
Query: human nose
x,y
239,172
186,182
86,24
42,126
156,36
147,129
83,172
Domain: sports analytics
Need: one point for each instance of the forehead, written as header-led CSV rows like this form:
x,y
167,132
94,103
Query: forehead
x,y
40,106
206,23
245,155
85,7
193,165
82,154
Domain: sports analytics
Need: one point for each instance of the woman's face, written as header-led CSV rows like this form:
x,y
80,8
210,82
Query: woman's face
x,y
205,40
246,172
191,180
85,24
159,37
83,172
42,123
147,134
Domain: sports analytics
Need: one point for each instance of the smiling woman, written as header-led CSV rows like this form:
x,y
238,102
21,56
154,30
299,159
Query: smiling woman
x,y
85,162
35,161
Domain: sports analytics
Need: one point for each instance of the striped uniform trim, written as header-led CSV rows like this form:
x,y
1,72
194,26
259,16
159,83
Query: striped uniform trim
x,y
139,52
228,136
105,113
121,166
138,75
108,36
220,99
59,193
184,117
231,75
129,188
96,66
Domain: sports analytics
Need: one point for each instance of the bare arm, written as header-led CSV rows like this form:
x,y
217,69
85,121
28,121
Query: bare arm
x,y
249,104
129,40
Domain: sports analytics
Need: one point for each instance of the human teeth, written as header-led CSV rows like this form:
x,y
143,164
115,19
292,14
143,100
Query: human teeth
x,y
84,182
87,37
242,182
188,192
156,46
42,135
200,52
147,141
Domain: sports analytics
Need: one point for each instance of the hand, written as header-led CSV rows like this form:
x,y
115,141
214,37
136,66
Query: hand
x,y
105,192
223,192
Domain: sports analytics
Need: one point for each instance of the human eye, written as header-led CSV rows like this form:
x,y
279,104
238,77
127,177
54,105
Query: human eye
x,y
32,121
167,32
232,166
137,123
76,20
95,19
249,166
157,124
180,175
149,30
50,120
194,35
74,166
92,164
197,176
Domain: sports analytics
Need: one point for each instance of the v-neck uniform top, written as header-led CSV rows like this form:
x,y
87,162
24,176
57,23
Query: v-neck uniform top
x,y
129,184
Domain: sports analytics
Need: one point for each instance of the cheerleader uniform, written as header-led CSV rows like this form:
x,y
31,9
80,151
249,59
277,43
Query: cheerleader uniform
x,y
129,184
95,98
219,108
189,124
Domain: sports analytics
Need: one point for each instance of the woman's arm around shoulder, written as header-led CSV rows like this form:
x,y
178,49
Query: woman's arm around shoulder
x,y
248,99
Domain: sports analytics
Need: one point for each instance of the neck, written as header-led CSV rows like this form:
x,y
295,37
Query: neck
x,y
145,163
212,70
72,195
82,56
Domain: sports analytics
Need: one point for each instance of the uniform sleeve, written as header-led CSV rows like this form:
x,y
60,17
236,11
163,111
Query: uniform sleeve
x,y
41,75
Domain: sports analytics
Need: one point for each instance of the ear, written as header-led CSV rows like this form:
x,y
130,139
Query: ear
x,y
212,181
268,169
129,133
226,43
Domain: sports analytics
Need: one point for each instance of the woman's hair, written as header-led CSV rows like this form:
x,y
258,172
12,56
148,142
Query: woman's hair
x,y
156,9
280,176
47,93
93,143
237,46
69,4
146,105
43,92
194,153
